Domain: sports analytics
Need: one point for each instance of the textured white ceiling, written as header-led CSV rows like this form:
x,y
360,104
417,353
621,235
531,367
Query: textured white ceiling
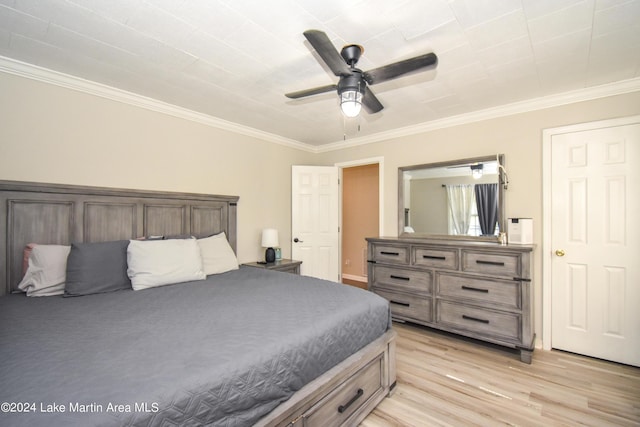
x,y
235,59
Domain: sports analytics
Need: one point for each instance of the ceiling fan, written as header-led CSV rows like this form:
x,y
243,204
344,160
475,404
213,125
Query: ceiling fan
x,y
477,169
353,86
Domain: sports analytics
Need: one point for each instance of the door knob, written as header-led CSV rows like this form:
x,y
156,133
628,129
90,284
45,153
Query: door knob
x,y
296,240
559,252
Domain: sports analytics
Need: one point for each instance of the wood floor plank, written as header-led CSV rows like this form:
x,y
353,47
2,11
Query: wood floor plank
x,y
445,380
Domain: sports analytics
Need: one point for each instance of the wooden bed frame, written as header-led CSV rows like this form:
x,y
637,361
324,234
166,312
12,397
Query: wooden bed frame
x,y
62,214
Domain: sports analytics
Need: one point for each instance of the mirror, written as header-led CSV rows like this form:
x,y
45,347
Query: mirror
x,y
459,199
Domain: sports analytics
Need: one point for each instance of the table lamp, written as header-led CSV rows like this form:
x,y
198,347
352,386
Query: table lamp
x,y
269,240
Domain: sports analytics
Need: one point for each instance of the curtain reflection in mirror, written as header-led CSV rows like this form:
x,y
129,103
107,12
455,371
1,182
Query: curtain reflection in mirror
x,y
460,200
473,209
487,207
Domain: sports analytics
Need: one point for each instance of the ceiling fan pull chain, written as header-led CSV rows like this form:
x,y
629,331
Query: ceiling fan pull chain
x,y
344,128
359,115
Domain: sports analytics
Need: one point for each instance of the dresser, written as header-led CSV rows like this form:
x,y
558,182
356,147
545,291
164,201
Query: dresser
x,y
480,290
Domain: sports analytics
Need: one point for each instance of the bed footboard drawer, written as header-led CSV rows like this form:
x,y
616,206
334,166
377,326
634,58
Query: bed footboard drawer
x,y
337,407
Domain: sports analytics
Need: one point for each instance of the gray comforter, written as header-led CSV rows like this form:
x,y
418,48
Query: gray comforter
x,y
224,351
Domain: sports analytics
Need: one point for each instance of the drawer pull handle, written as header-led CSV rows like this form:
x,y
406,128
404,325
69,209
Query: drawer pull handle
x,y
344,407
390,253
400,277
469,288
498,263
475,319
404,304
441,258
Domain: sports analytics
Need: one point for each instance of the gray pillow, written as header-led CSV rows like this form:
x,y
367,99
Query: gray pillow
x,y
99,267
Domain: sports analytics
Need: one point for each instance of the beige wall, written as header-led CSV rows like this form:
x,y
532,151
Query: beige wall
x,y
52,134
519,137
428,211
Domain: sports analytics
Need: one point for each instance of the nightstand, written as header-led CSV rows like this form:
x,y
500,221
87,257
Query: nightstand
x,y
286,265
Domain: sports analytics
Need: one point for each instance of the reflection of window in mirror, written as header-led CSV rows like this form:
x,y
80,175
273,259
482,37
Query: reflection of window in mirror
x,y
473,209
459,198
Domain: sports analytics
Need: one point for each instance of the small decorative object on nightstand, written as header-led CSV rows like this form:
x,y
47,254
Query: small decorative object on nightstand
x,y
269,241
286,265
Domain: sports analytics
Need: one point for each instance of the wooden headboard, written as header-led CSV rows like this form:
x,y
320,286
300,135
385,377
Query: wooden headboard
x,y
62,214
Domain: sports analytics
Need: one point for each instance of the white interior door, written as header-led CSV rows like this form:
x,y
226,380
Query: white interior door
x,y
595,234
314,220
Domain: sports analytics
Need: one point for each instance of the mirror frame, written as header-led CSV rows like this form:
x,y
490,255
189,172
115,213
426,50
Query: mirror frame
x,y
502,185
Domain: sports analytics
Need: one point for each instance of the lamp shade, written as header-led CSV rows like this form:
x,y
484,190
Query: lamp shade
x,y
269,238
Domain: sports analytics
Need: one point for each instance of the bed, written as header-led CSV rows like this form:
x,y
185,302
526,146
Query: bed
x,y
243,347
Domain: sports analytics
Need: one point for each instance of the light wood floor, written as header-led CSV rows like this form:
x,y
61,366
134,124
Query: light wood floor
x,y
447,381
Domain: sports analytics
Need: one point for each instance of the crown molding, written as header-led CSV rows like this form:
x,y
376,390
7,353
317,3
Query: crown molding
x,y
34,72
587,94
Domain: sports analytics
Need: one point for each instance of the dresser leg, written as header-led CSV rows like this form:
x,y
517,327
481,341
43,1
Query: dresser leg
x,y
526,356
392,389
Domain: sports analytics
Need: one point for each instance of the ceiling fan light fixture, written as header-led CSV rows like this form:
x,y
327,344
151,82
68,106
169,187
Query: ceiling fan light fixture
x,y
351,103
476,171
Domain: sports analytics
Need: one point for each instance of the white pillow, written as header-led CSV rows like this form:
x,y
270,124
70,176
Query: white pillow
x,y
163,262
47,271
217,255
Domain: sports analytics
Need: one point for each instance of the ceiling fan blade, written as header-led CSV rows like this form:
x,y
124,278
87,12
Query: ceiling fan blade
x,y
400,68
466,165
309,92
327,51
370,102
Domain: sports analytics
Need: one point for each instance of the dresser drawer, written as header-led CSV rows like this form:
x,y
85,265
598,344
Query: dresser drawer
x,y
507,265
492,324
435,257
341,403
403,279
407,306
391,254
486,291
